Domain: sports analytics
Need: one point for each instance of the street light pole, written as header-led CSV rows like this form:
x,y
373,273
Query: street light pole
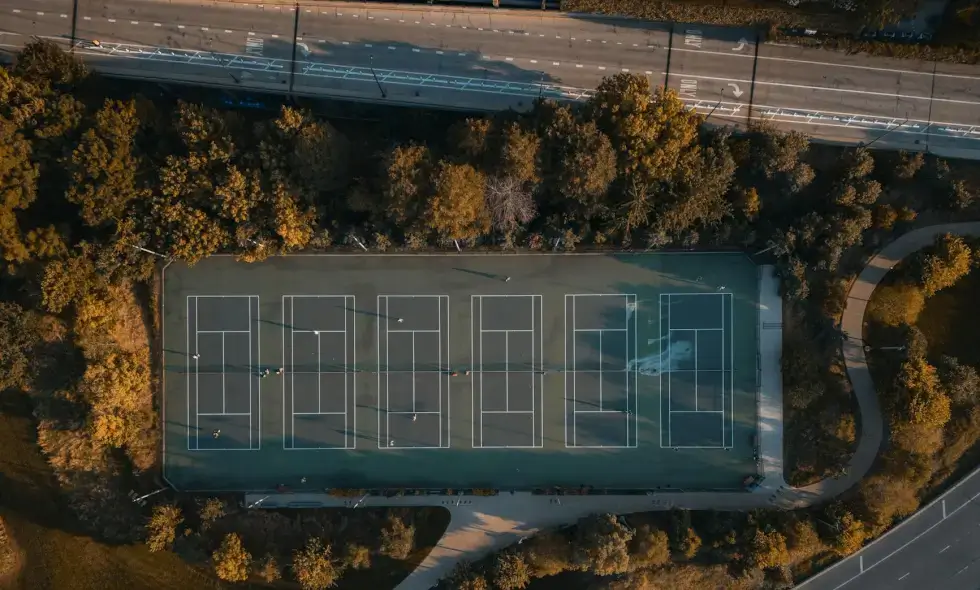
x,y
718,104
147,250
376,81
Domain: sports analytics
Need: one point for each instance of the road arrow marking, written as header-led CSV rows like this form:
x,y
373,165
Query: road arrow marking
x,y
741,44
738,91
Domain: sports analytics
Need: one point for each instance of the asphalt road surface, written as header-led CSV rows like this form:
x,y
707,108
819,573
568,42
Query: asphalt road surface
x,y
936,549
492,59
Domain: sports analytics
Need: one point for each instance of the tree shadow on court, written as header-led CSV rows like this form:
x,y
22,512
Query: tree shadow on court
x,y
486,275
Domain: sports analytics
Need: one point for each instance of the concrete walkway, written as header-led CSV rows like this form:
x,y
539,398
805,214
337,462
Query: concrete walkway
x,y
481,525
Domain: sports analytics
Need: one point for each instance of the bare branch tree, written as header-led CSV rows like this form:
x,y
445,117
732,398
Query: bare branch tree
x,y
509,202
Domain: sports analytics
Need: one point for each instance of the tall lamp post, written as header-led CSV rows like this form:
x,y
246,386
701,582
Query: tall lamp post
x,y
376,81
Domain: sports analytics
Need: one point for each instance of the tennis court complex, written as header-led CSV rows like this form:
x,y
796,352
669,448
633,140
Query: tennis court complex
x,y
628,371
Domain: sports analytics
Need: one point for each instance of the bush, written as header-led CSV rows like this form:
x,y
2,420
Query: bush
x,y
510,571
313,566
649,548
162,527
357,557
897,305
269,570
397,539
950,260
231,560
211,510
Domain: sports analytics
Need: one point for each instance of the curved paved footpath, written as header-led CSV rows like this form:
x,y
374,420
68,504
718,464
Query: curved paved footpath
x,y
487,524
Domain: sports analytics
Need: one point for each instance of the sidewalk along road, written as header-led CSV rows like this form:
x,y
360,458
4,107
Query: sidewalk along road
x,y
484,59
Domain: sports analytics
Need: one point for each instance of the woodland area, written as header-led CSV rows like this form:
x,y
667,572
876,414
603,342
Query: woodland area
x,y
99,183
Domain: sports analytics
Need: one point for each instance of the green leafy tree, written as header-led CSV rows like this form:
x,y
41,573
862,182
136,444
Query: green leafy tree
x,y
43,61
162,527
314,566
578,161
231,561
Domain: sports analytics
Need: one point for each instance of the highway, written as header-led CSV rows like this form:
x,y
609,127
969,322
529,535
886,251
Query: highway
x,y
489,59
938,548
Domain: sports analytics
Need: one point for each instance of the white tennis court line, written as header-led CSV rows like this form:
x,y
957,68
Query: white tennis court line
x,y
348,303
537,370
445,414
632,404
195,352
725,298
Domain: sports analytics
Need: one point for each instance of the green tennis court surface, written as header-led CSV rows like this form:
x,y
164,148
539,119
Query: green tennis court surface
x,y
631,371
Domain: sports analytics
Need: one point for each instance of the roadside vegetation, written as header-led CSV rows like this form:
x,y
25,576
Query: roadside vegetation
x,y
956,39
100,180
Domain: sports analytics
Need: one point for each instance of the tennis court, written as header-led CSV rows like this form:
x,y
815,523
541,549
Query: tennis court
x,y
627,371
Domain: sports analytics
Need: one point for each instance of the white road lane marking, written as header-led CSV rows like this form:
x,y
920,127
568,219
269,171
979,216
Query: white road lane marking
x,y
903,577
63,15
16,10
40,14
157,25
534,61
87,17
829,65
134,22
828,89
228,31
112,20
943,550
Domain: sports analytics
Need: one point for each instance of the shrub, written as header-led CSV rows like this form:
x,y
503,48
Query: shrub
x,y
313,566
510,571
897,305
397,539
162,527
231,560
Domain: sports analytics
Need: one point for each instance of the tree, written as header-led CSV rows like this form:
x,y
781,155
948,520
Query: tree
x,y
768,550
18,187
510,571
457,209
405,177
212,509
886,499
66,281
548,554
519,154
897,305
849,534
268,569
18,337
294,223
470,139
602,545
777,152
309,155
650,547
231,560
961,382
103,167
45,62
948,263
161,529
313,566
920,397
509,203
116,386
578,160
689,543
397,538
357,557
